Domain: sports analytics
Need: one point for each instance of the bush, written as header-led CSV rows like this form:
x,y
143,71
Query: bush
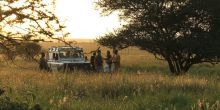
x,y
28,50
7,54
7,104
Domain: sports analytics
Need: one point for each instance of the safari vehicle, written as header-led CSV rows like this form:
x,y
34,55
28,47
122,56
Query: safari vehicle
x,y
66,58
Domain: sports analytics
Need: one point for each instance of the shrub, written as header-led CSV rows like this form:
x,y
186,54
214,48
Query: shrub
x,y
7,104
28,50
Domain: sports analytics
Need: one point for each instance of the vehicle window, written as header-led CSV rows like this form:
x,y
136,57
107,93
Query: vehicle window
x,y
55,56
70,54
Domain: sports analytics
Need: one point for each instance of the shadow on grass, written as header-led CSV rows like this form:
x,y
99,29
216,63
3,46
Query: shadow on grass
x,y
198,70
153,68
206,70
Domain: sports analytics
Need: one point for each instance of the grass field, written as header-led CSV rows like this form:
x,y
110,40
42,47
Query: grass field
x,y
143,83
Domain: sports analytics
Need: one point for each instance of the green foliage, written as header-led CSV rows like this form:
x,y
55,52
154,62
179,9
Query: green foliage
x,y
183,32
7,104
1,91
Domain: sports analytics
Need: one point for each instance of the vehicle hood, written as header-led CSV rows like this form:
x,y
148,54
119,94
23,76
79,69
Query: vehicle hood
x,y
72,60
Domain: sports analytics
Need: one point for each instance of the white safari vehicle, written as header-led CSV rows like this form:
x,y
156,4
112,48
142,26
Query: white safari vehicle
x,y
66,58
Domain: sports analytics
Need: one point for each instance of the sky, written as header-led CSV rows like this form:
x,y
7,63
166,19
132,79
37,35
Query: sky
x,y
83,21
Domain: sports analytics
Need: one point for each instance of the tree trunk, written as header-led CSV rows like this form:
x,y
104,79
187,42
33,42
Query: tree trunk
x,y
178,68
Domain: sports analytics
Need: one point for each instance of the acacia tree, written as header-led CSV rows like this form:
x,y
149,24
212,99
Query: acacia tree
x,y
182,32
22,20
29,50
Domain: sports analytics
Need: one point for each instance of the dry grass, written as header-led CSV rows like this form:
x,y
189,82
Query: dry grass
x,y
147,87
119,91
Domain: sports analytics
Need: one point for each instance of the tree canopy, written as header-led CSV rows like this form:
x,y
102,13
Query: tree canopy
x,y
23,20
182,32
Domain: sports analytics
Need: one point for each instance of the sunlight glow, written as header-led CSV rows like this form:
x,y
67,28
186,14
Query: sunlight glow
x,y
83,21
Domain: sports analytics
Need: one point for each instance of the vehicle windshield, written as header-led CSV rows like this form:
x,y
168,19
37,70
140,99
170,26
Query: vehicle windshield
x,y
70,53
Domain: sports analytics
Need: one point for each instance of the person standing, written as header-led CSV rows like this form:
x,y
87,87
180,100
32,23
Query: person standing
x,y
108,62
43,63
116,61
99,62
92,61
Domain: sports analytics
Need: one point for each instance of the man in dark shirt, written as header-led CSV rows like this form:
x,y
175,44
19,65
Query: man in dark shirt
x,y
99,62
92,60
108,61
43,63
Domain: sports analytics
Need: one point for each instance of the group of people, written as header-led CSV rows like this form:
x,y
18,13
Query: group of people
x,y
112,62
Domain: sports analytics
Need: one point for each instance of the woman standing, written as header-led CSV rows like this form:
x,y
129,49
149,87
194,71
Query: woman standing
x,y
108,62
116,61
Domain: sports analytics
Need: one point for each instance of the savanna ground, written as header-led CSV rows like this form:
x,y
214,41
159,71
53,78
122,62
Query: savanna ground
x,y
143,83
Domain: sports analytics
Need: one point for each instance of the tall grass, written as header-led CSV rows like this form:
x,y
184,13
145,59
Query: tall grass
x,y
79,91
142,84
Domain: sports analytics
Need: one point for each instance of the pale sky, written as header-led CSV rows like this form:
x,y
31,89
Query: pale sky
x,y
83,21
